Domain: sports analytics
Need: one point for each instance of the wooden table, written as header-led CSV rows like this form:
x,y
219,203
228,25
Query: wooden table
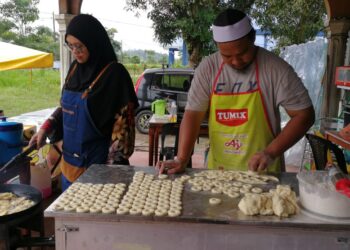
x,y
336,138
155,127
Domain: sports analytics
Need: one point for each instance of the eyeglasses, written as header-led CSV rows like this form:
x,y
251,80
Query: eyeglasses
x,y
78,48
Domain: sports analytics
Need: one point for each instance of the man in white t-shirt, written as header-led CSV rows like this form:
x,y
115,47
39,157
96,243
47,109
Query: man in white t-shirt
x,y
241,87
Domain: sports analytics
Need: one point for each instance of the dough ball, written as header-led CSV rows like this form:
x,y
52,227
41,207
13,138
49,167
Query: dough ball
x,y
214,201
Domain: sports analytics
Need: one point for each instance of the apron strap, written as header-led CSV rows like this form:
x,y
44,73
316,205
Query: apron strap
x,y
88,90
71,72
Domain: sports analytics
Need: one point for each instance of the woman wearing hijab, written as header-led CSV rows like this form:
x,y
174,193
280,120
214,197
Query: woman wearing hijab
x,y
96,116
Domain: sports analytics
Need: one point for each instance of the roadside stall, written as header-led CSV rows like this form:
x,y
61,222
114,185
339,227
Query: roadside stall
x,y
119,215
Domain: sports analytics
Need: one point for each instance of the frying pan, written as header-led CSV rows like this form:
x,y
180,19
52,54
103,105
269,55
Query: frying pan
x,y
27,191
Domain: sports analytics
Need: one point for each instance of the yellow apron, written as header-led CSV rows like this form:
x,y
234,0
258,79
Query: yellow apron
x,y
238,128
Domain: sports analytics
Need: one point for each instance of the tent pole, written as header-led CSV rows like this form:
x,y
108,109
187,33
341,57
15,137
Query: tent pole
x,y
31,77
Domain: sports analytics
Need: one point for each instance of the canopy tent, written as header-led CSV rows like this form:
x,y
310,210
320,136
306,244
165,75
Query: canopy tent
x,y
18,57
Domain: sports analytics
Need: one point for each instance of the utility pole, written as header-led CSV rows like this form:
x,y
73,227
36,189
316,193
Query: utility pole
x,y
53,26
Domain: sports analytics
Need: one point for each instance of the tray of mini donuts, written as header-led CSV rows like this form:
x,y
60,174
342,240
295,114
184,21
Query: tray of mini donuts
x,y
196,194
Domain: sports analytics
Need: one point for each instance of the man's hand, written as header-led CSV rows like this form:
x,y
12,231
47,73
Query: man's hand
x,y
170,166
260,161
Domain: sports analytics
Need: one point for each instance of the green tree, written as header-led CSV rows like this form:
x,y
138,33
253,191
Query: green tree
x,y
190,20
150,55
20,13
135,59
290,22
163,59
116,45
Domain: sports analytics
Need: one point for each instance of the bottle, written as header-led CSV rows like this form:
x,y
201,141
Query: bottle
x,y
173,112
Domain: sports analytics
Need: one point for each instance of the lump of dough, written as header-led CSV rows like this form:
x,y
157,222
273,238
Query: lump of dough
x,y
281,202
250,204
284,201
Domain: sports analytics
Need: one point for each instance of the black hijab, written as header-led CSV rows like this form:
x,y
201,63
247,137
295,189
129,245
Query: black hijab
x,y
93,35
114,89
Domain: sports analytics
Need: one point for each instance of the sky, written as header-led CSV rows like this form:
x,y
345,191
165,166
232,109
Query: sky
x,y
133,32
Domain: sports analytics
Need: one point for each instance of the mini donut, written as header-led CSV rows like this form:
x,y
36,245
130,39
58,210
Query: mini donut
x,y
163,206
247,186
244,190
112,200
216,190
196,188
162,176
69,208
104,194
82,209
99,203
233,194
237,184
206,187
175,207
234,189
176,202
109,185
256,190
86,204
135,211
160,212
95,209
125,204
64,201
108,210
272,178
101,199
57,207
122,210
214,201
174,212
147,211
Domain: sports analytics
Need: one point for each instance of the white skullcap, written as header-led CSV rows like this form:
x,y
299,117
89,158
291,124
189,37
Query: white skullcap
x,y
232,32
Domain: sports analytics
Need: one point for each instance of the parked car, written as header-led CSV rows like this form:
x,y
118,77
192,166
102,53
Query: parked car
x,y
167,83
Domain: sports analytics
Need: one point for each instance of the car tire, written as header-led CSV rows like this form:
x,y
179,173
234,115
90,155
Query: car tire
x,y
142,121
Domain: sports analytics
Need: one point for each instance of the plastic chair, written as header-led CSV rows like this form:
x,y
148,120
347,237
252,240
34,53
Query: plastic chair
x,y
319,147
186,85
169,152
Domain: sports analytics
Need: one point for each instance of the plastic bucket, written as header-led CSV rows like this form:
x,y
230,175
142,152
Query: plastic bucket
x,y
158,107
10,140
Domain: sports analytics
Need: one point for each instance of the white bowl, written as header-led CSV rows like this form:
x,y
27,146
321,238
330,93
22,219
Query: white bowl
x,y
318,195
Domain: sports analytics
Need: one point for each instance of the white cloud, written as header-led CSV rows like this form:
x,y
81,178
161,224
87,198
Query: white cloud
x,y
133,32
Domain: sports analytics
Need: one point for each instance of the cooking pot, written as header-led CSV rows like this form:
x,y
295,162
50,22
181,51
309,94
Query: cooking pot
x,y
10,140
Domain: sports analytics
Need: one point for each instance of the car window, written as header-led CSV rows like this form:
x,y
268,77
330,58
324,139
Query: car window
x,y
171,82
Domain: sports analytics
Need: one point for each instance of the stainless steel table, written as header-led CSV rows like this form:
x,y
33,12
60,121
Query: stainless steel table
x,y
200,226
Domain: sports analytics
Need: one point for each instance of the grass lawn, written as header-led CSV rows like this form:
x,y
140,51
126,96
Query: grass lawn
x,y
23,91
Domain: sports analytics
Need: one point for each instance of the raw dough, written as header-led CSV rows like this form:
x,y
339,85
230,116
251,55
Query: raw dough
x,y
174,212
256,190
81,209
281,202
214,201
162,176
108,210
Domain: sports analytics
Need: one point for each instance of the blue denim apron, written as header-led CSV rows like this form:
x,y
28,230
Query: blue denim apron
x,y
83,143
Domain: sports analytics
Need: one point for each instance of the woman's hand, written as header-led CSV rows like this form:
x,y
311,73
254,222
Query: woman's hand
x,y
39,138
